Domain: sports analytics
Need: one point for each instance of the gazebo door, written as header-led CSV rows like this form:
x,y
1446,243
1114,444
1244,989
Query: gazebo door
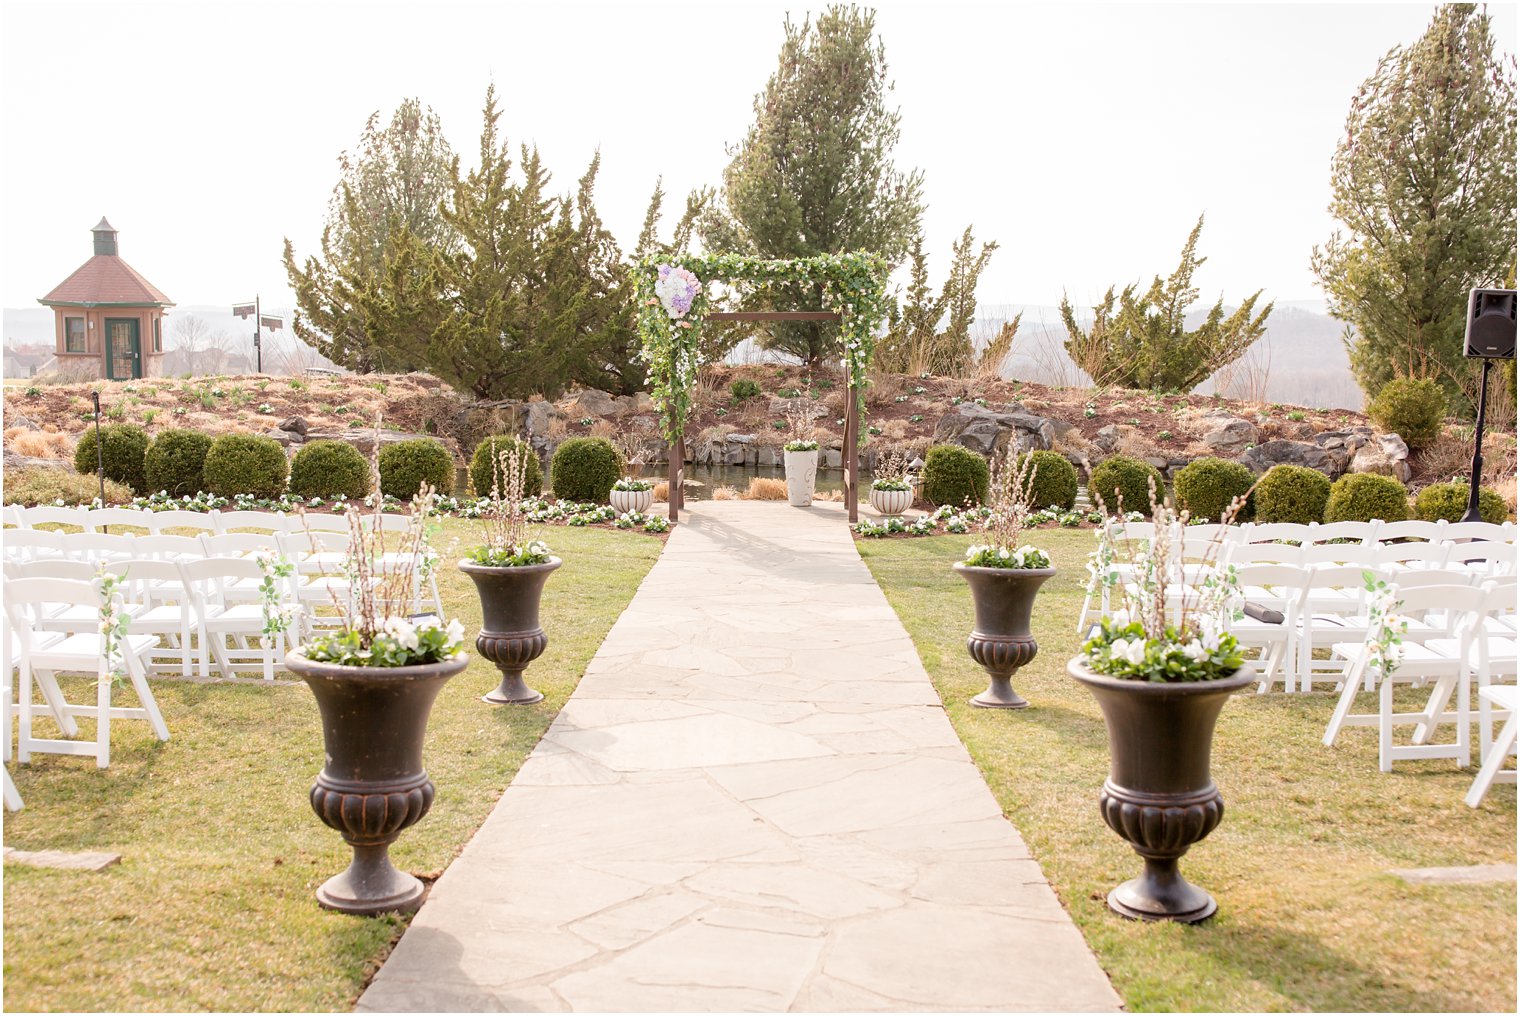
x,y
123,349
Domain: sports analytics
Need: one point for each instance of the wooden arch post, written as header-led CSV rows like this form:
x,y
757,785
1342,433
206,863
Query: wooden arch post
x,y
676,496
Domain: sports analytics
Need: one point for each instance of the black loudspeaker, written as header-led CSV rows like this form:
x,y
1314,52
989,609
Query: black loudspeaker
x,y
1490,325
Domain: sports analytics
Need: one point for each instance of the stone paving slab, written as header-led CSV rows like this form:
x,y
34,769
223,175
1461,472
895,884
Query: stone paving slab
x,y
72,860
753,801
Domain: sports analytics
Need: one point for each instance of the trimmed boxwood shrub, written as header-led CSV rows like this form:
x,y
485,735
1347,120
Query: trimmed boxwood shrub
x,y
1291,494
1413,408
1123,484
584,469
1052,481
1449,501
175,461
123,446
406,465
1206,486
482,474
329,469
245,464
955,476
1362,497
743,388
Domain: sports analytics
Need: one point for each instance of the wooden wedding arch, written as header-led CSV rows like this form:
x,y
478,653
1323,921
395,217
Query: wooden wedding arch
x,y
854,284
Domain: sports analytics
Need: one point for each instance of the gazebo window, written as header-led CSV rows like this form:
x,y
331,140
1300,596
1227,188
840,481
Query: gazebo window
x,y
74,340
158,335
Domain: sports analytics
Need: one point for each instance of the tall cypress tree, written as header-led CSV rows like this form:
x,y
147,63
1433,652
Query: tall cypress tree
x,y
1424,182
815,175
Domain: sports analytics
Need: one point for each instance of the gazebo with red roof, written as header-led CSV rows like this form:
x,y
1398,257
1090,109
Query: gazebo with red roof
x,y
110,320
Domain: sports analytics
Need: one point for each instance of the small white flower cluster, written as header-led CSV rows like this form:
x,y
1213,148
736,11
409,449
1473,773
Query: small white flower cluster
x,y
985,555
405,632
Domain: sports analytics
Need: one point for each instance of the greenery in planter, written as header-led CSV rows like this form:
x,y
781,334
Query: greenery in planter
x,y
585,468
245,464
330,469
506,524
1413,408
800,446
1295,494
1052,480
484,462
1125,484
1449,501
629,484
1362,497
955,476
175,462
123,448
1207,487
406,465
1142,640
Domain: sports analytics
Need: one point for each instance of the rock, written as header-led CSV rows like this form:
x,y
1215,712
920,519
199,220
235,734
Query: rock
x,y
770,455
808,409
535,417
1386,454
741,438
15,421
986,432
1227,435
13,461
595,402
1351,440
832,458
642,403
285,437
1330,461
361,438
1107,439
294,425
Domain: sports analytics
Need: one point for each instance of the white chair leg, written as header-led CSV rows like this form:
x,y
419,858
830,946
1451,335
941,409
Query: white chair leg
x,y
1493,762
47,683
12,795
103,719
1385,724
139,677
1342,710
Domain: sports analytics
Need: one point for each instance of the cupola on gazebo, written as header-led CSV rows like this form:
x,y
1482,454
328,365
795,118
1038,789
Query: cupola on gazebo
x,y
110,320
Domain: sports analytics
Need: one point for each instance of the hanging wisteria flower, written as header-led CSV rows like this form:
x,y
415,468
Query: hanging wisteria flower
x,y
677,289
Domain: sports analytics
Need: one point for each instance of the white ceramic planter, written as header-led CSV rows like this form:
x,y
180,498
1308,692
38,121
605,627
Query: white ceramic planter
x,y
801,475
891,502
624,501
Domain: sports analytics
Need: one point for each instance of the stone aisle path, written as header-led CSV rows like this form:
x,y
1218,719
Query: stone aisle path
x,y
753,801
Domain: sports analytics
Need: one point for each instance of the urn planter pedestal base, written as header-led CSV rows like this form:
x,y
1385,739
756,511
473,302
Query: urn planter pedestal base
x,y
371,885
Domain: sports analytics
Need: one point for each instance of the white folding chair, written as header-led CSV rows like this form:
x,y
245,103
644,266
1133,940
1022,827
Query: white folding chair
x,y
232,632
1279,587
1401,556
1413,529
1330,555
166,610
1490,653
96,520
1486,558
180,518
1334,611
81,651
1506,698
1420,662
11,515
1356,532
31,544
227,522
48,514
64,617
100,547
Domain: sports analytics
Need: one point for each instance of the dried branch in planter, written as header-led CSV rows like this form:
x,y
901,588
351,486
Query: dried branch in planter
x,y
1008,498
506,523
892,463
800,426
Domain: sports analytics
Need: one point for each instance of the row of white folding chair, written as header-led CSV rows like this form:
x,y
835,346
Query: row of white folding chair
x,y
40,658
171,600
216,521
1446,660
1374,532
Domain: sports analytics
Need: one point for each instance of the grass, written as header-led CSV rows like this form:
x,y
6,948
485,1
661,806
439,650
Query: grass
x,y
211,906
1309,916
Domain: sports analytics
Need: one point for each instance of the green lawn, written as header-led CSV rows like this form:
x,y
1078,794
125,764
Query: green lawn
x,y
211,906
1309,917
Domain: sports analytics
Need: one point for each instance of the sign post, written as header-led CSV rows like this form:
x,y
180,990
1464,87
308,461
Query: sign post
x,y
271,321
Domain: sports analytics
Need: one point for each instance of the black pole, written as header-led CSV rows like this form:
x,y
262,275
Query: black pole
x,y
258,346
100,449
1473,514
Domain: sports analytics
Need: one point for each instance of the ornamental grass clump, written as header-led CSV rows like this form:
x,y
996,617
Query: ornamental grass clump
x,y
1008,497
1148,638
506,522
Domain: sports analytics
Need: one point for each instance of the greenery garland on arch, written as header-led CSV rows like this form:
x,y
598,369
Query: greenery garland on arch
x,y
673,302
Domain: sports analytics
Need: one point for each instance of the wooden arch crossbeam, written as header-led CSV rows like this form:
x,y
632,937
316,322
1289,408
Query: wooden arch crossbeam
x,y
676,495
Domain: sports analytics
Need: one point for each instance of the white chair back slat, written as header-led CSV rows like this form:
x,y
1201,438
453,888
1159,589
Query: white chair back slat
x,y
1360,532
1268,532
1423,555
1500,533
226,522
1242,554
239,544
1412,529
180,518
320,523
167,548
1484,558
98,546
47,514
30,544
97,519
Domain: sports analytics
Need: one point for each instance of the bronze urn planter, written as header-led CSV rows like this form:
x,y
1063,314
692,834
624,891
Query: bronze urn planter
x,y
510,635
1001,642
1160,796
373,785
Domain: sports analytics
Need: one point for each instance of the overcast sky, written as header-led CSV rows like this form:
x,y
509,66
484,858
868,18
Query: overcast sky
x,y
1085,139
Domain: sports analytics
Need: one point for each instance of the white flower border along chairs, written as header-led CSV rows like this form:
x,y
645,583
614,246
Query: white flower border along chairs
x,y
87,649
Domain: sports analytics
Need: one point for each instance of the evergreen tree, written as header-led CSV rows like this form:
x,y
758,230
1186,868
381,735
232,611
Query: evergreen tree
x,y
367,302
815,175
1424,182
1142,340
915,341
